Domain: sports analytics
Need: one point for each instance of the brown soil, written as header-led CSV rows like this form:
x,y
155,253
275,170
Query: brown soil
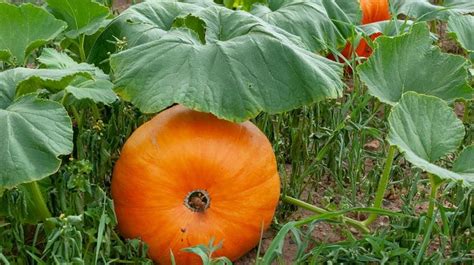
x,y
323,232
449,45
446,43
331,233
120,5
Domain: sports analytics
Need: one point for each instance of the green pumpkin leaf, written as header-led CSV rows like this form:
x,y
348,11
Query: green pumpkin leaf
x,y
82,16
461,28
426,125
465,162
410,63
8,83
245,67
306,19
53,80
33,134
20,81
98,89
194,23
36,26
201,3
387,27
345,14
351,9
425,129
53,59
138,24
63,73
423,10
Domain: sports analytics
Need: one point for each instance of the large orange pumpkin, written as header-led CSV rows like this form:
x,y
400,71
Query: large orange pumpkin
x,y
185,177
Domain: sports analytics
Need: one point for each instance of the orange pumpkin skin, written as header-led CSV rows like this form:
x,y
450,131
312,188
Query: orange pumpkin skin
x,y
180,151
374,11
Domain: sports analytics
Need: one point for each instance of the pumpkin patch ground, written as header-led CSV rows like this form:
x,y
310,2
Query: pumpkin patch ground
x,y
236,132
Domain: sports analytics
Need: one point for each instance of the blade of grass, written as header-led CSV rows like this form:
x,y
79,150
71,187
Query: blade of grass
x,y
426,239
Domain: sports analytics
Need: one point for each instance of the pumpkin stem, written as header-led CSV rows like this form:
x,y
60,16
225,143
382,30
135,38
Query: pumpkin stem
x,y
197,200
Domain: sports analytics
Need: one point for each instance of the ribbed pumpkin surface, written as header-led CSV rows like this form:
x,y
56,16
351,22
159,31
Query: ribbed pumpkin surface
x,y
181,151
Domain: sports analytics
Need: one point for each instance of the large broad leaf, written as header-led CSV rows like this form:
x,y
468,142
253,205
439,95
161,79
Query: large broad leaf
x,y
304,18
82,16
139,24
423,10
426,125
387,27
62,73
410,63
33,134
462,28
425,129
34,131
202,3
23,29
98,89
245,66
53,59
19,81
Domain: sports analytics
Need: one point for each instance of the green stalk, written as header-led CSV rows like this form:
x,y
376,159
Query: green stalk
x,y
383,183
78,117
354,223
95,112
82,53
435,184
38,202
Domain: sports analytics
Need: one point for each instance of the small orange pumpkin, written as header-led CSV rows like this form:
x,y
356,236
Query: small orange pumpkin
x,y
372,11
185,177
362,50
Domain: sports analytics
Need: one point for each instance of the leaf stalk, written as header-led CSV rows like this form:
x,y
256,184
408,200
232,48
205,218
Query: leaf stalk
x,y
435,184
382,186
38,201
354,223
